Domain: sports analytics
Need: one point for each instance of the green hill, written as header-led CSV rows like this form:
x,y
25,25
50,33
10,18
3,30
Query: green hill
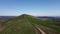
x,y
24,24
18,25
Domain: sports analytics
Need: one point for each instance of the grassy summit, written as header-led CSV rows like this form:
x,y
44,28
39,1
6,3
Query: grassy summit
x,y
24,24
18,25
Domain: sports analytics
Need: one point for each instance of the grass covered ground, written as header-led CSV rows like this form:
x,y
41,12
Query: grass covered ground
x,y
24,25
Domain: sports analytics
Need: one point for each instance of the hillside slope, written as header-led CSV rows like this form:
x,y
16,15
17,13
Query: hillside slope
x,y
47,26
25,24
18,25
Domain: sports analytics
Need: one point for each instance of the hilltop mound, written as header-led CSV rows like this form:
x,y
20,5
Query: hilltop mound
x,y
18,25
25,24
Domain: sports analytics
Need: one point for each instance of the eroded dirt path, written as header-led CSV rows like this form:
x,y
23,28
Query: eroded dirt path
x,y
42,32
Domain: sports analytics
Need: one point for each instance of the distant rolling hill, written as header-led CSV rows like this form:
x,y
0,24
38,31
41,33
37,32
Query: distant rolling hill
x,y
4,18
27,24
55,20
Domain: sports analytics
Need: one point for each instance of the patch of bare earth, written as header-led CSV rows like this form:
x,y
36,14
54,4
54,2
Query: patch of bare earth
x,y
40,30
47,30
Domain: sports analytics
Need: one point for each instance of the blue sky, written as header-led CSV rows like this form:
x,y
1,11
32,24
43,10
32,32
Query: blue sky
x,y
32,7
